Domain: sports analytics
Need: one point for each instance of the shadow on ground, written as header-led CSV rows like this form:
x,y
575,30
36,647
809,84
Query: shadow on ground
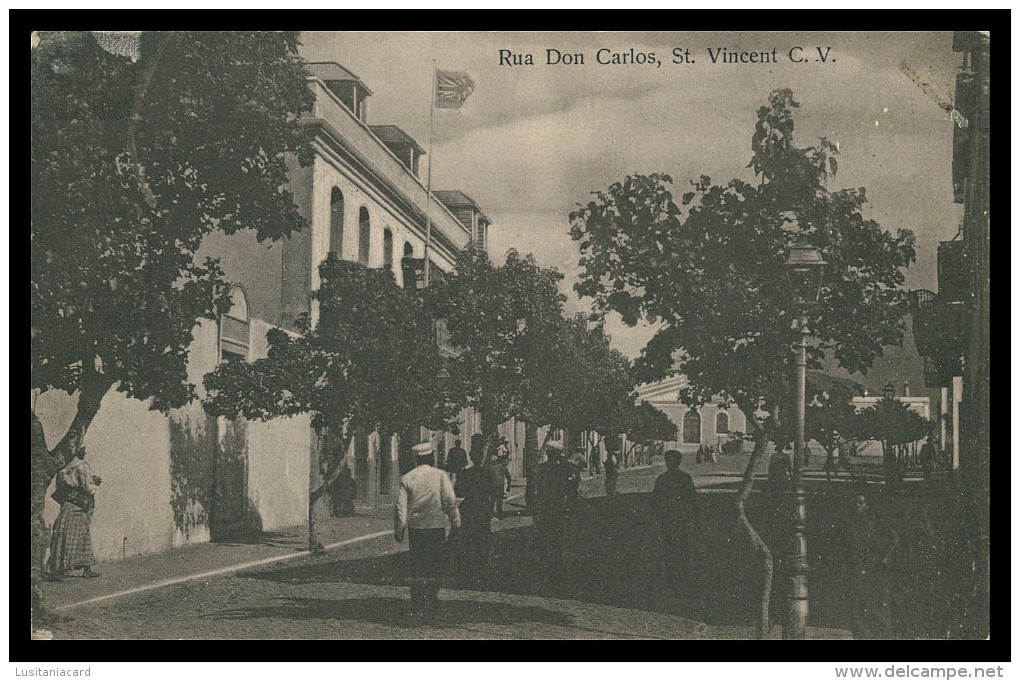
x,y
613,558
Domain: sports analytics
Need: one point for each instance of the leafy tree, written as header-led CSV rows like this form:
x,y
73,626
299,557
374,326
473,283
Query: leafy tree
x,y
895,425
501,318
370,363
648,425
711,272
133,164
576,381
831,419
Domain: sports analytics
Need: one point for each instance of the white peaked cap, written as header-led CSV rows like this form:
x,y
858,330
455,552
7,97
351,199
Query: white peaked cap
x,y
423,449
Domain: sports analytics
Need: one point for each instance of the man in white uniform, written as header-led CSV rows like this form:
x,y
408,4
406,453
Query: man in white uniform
x,y
424,503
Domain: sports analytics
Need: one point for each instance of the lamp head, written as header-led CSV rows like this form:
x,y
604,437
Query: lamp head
x,y
804,269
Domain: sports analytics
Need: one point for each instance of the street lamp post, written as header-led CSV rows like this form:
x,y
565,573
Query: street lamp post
x,y
804,267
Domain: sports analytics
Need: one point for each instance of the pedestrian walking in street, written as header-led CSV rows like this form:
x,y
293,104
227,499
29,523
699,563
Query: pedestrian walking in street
x,y
71,541
612,474
456,460
871,542
475,487
503,482
674,500
555,495
830,464
424,502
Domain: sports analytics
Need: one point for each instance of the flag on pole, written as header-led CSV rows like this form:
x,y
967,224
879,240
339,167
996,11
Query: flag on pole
x,y
452,88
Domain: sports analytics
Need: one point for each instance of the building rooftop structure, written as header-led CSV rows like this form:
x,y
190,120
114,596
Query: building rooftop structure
x,y
454,198
401,144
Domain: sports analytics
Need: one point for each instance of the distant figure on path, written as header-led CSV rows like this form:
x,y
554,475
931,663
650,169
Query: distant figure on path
x,y
674,500
612,473
475,486
780,478
830,464
345,489
870,542
71,541
929,455
503,481
424,502
456,459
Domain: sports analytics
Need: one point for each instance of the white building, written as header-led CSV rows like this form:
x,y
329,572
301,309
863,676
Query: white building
x,y
710,424
186,477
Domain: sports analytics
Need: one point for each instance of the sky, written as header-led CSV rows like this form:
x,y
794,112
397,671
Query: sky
x,y
531,142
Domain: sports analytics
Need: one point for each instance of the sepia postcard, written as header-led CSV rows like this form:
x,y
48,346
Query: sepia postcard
x,y
510,335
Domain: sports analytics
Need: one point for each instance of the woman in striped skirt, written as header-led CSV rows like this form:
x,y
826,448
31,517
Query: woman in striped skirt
x,y
71,541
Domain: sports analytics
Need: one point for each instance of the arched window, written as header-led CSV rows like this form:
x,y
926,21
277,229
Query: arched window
x,y
722,423
336,222
234,328
408,249
692,427
364,236
387,249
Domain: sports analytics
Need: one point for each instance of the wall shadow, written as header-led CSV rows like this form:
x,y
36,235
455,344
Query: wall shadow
x,y
191,470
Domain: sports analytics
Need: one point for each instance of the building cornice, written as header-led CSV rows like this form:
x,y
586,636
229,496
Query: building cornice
x,y
331,141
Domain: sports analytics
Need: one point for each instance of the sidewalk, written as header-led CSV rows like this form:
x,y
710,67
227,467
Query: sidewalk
x,y
196,561
200,561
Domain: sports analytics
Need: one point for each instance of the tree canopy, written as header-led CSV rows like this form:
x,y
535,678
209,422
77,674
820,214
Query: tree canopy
x,y
369,363
502,318
710,268
830,418
892,422
646,425
576,380
133,164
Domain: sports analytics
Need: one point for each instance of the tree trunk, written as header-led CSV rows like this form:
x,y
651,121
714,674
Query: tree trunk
x,y
333,469
762,625
45,464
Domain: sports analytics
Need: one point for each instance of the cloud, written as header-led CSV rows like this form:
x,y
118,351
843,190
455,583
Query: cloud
x,y
531,142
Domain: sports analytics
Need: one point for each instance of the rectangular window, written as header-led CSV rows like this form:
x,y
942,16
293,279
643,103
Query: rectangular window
x,y
233,339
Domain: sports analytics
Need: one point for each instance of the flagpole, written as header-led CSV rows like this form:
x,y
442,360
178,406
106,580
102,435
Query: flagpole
x,y
428,182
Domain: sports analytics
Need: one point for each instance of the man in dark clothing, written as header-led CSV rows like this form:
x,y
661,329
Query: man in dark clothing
x,y
780,478
345,489
612,473
475,486
555,495
456,460
674,500
928,456
871,543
